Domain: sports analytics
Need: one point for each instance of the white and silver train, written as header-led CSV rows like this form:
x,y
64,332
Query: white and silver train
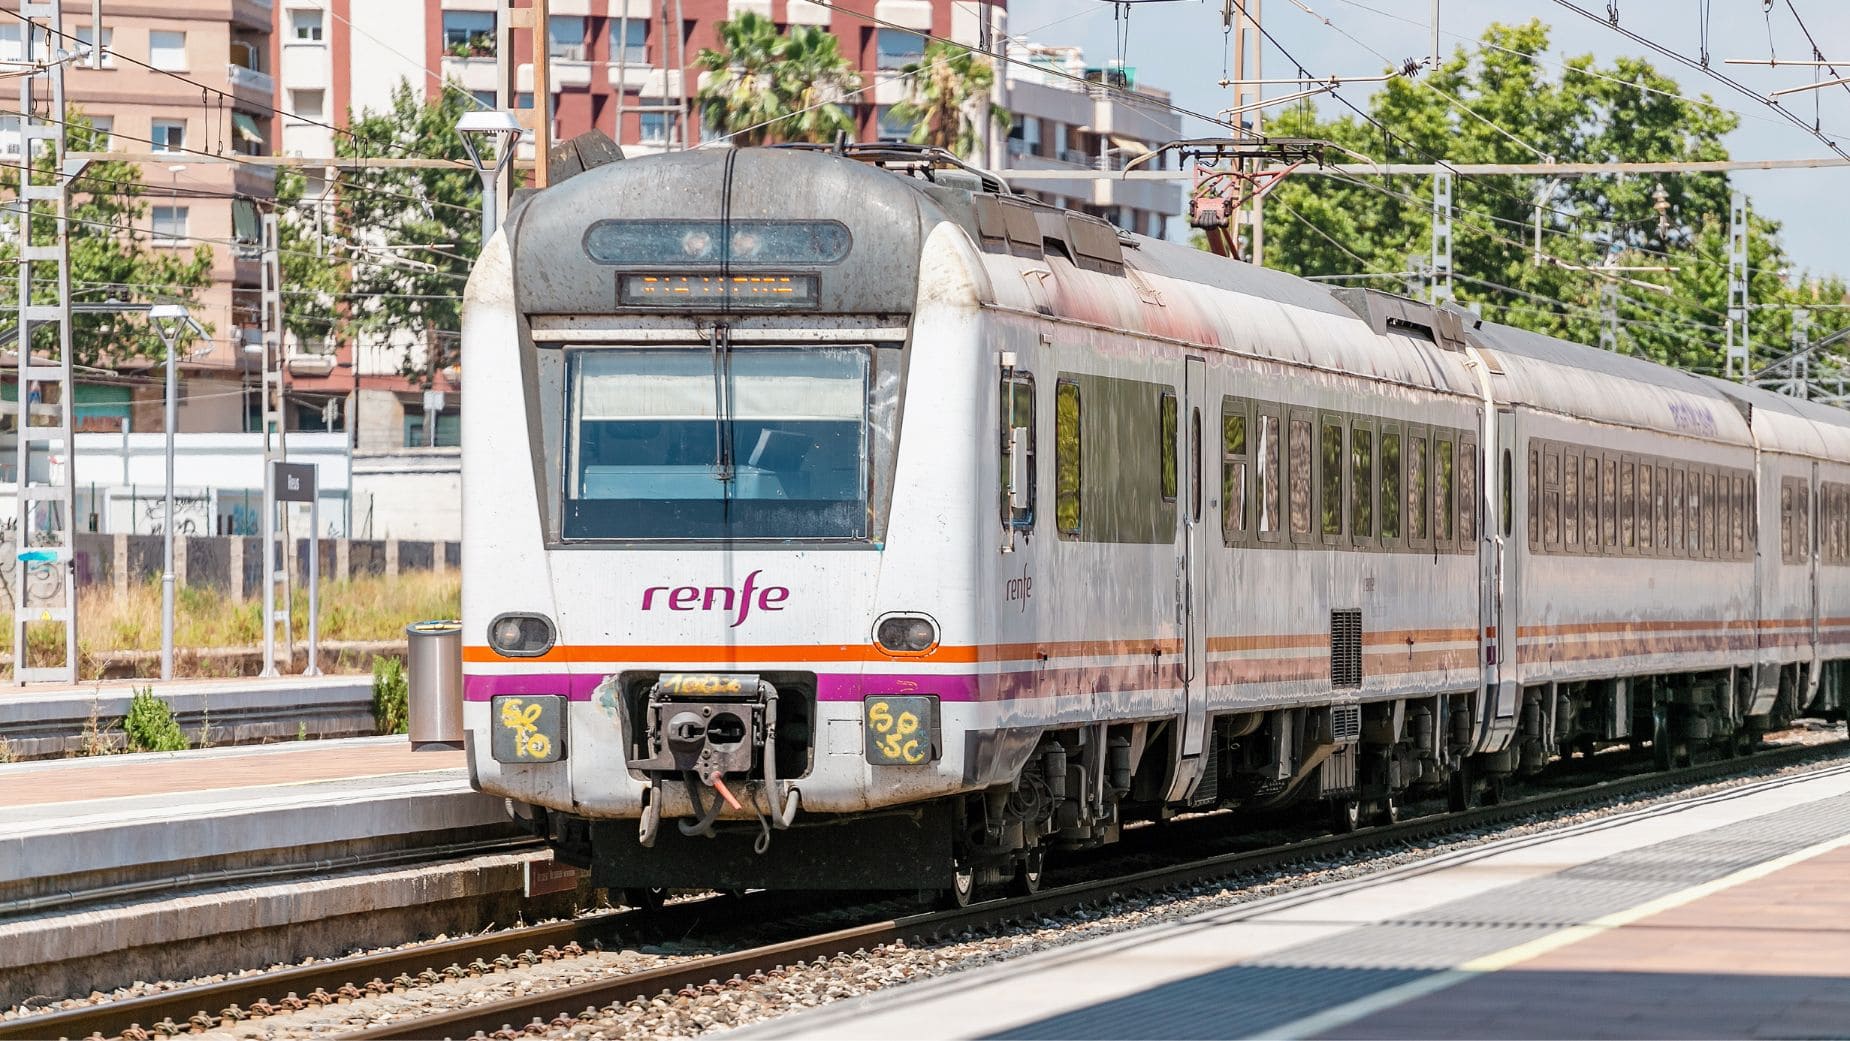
x,y
840,519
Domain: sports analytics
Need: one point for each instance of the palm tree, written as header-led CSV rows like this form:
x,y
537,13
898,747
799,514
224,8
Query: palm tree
x,y
942,89
741,99
814,80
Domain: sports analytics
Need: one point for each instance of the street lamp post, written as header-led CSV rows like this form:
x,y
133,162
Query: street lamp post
x,y
170,322
501,131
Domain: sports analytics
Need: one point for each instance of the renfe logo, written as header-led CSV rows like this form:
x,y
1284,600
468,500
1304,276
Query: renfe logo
x,y
719,598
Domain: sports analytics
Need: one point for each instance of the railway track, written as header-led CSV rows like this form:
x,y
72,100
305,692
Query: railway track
x,y
197,1008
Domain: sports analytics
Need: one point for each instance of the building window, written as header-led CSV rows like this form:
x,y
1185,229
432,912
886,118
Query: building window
x,y
898,48
890,129
483,98
169,225
167,50
309,104
565,35
634,45
104,129
524,99
449,430
84,33
169,135
469,34
305,26
658,127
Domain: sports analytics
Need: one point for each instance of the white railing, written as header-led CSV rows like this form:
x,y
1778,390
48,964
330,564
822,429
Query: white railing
x,y
242,76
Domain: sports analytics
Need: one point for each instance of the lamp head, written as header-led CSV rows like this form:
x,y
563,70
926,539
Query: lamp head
x,y
497,129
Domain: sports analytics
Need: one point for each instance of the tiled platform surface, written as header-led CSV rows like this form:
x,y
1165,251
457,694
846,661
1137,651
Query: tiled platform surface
x,y
1726,918
83,816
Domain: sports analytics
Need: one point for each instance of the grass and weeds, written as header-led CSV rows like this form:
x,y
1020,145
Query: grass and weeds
x,y
150,725
369,607
391,712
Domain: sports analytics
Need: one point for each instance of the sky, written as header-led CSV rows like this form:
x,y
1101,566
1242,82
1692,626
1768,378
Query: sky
x,y
1177,45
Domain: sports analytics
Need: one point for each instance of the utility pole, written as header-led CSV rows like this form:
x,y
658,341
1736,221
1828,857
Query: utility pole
x,y
542,94
1248,68
1441,281
45,506
275,572
1738,364
1609,316
1799,385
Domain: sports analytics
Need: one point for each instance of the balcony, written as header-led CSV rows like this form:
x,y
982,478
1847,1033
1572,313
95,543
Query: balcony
x,y
251,80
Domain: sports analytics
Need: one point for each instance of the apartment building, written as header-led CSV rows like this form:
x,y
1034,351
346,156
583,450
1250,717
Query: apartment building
x,y
190,85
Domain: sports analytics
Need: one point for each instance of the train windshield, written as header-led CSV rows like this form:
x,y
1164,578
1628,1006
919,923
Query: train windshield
x,y
746,443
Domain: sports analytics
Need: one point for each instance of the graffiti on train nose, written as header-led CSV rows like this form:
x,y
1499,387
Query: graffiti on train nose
x,y
737,602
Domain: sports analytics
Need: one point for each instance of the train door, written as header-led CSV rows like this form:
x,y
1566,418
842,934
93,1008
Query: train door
x,y
1194,584
1498,566
1812,544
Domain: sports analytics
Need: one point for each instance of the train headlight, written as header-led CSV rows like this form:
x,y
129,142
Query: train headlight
x,y
906,634
520,635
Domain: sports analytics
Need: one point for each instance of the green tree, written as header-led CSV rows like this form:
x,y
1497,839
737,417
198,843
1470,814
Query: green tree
x,y
815,79
112,256
315,274
947,98
1498,103
745,96
407,236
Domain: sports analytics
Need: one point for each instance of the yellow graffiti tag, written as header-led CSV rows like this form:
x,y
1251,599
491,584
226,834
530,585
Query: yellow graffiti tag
x,y
529,743
895,741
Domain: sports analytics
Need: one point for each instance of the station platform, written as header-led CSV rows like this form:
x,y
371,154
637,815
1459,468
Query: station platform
x,y
154,851
1721,917
44,721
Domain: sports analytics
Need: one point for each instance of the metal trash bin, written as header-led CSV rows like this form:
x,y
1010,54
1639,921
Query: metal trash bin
x,y
433,679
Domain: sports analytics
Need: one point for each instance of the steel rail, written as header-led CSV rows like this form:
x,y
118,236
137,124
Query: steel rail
x,y
567,1002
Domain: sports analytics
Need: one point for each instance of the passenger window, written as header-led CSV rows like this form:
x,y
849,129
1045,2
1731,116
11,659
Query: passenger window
x,y
1233,471
1645,471
1467,494
1269,484
1609,502
1445,505
1390,485
1692,519
1067,475
1661,511
1628,505
1801,528
1416,488
1194,464
1551,498
1570,501
1679,540
1017,415
1298,458
1167,433
1331,489
1509,495
1709,509
1737,516
1589,502
1535,488
1362,482
1785,520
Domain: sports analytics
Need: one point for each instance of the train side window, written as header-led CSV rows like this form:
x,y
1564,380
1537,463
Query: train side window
x,y
1802,526
1361,483
1444,491
1678,540
1067,474
1298,459
1570,501
1234,469
1508,500
1390,486
1646,473
1660,512
1710,505
1628,506
1785,520
1467,495
1330,476
1609,502
1195,472
1692,515
1167,443
1017,414
1737,511
1534,486
1416,488
1589,502
1551,498
1270,486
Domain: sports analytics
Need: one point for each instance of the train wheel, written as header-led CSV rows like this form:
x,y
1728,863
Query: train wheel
x,y
1458,789
1345,815
962,890
1027,881
1387,811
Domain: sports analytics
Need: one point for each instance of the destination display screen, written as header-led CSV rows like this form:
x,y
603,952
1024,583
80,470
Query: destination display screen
x,y
759,290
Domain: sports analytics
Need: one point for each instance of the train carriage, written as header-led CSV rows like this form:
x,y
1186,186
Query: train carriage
x,y
846,520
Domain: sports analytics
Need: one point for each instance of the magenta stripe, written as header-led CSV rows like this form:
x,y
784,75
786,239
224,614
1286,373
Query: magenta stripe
x,y
829,686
